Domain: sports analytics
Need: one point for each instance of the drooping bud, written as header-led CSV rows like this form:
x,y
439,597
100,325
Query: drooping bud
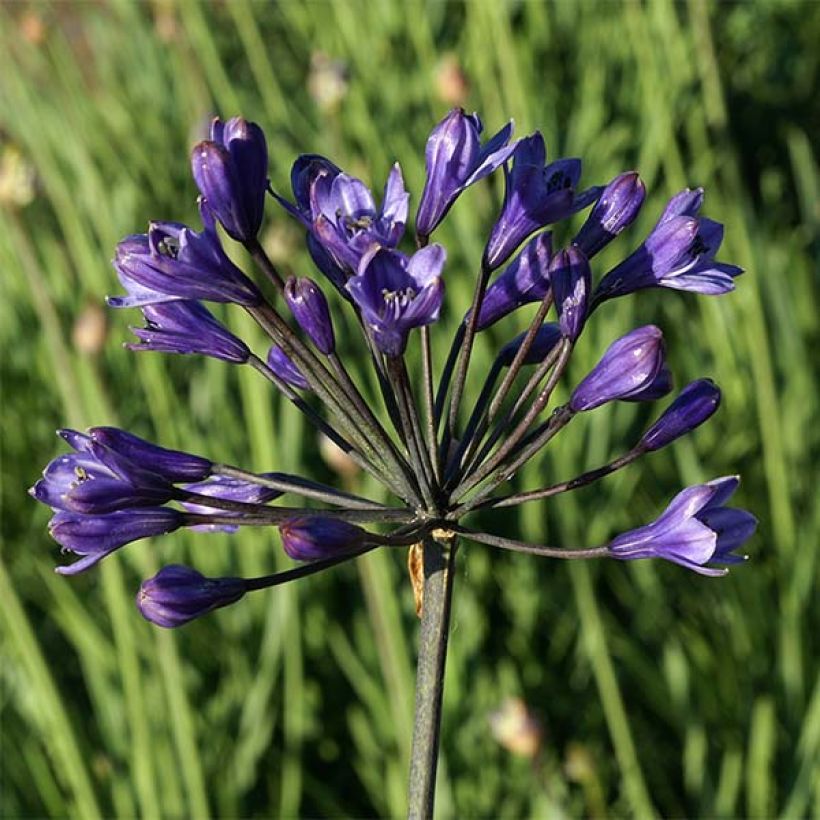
x,y
313,537
628,367
231,172
309,307
177,594
283,367
571,282
615,211
696,403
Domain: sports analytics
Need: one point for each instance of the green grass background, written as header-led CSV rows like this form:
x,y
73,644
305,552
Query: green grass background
x,y
659,692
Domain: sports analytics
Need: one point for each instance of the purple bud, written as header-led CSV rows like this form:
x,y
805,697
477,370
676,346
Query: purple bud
x,y
95,536
614,212
571,283
172,465
525,279
694,530
231,172
659,387
188,328
547,336
455,160
283,367
229,489
696,403
628,367
177,594
313,537
309,308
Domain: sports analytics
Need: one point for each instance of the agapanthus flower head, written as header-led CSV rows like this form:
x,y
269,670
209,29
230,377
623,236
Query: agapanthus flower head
x,y
397,293
628,367
231,172
679,253
526,279
172,260
616,209
696,403
455,160
310,538
187,327
695,530
535,195
309,307
93,537
571,281
178,594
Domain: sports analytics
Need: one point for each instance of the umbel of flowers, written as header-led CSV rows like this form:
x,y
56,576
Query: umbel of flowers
x,y
439,462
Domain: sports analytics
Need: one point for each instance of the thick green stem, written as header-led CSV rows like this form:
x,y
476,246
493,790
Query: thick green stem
x,y
439,551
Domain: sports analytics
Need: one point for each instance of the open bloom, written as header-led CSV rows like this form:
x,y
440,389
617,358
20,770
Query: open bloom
x,y
695,529
231,171
455,160
172,260
679,253
396,293
534,196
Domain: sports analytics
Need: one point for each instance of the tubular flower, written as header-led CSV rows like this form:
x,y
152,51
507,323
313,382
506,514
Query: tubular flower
x,y
694,530
231,172
455,160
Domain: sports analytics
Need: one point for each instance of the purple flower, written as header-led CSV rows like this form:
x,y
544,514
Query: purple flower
x,y
173,262
630,365
305,171
229,489
309,308
547,336
177,594
283,367
571,282
347,223
659,387
678,253
455,160
313,537
187,327
694,530
231,172
172,465
94,536
397,293
97,480
526,279
696,403
615,211
534,196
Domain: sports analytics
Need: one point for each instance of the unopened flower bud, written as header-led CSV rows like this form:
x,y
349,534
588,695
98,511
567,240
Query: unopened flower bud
x,y
313,537
615,211
546,337
628,367
696,403
309,308
571,282
283,367
177,594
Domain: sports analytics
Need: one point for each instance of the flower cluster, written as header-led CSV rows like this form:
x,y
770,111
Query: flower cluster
x,y
438,462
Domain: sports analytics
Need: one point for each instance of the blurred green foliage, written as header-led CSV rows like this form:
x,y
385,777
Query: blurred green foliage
x,y
657,691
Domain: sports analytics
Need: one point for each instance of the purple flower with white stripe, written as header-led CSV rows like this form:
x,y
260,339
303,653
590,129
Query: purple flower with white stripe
x,y
455,160
571,282
397,293
695,530
231,171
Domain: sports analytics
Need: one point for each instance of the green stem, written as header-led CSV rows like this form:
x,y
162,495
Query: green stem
x,y
439,555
